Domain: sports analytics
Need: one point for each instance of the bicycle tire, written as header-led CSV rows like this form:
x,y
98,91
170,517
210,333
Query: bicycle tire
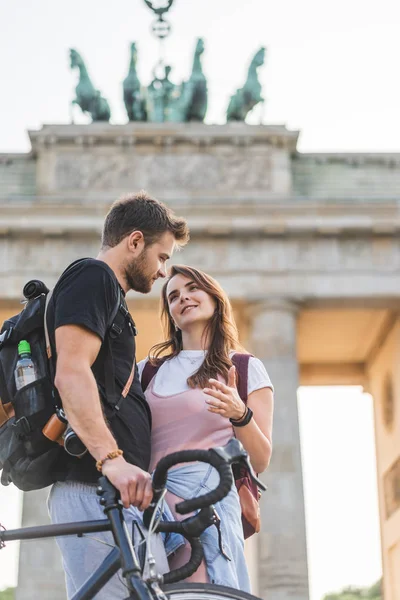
x,y
204,591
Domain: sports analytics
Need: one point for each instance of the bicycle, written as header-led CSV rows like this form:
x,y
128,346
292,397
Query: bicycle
x,y
156,586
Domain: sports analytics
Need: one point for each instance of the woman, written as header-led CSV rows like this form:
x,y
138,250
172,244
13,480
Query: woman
x,y
195,404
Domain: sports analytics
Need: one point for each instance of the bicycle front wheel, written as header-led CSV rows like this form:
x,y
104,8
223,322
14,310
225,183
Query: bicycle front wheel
x,y
204,591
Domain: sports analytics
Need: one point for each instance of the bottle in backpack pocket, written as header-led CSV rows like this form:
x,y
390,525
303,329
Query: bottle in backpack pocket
x,y
28,399
25,370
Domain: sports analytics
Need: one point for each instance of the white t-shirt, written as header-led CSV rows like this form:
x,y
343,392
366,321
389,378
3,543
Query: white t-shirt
x,y
171,378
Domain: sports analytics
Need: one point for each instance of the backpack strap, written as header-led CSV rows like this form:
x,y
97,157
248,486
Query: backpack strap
x,y
116,325
148,373
46,306
46,329
241,362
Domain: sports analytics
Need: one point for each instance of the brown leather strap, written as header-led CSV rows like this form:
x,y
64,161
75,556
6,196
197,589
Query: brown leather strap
x,y
6,412
128,384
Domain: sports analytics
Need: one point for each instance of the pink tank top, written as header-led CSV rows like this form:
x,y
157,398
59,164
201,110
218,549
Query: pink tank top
x,y
182,422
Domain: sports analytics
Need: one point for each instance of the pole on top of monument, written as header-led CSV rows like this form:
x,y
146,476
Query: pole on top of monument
x,y
161,28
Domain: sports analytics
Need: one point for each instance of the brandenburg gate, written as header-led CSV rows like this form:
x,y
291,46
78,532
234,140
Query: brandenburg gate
x,y
307,247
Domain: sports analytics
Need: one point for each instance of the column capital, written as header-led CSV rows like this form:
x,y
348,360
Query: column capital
x,y
257,306
272,326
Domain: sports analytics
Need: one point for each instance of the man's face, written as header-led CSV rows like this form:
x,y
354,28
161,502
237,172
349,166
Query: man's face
x,y
151,264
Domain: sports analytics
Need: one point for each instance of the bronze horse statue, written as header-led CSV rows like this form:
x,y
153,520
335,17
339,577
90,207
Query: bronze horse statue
x,y
197,81
88,98
249,95
133,98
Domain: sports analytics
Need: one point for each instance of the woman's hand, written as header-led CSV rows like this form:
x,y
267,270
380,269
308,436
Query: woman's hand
x,y
224,399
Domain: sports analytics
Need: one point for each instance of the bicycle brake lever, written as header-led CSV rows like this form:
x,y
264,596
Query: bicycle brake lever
x,y
261,486
233,452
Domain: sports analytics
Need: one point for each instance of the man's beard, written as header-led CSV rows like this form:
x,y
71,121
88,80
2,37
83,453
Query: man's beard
x,y
135,275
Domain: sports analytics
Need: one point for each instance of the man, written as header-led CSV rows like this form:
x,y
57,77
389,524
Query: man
x,y
139,236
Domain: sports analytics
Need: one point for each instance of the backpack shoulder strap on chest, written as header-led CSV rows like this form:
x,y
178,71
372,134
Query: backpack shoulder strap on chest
x,y
241,362
149,371
115,326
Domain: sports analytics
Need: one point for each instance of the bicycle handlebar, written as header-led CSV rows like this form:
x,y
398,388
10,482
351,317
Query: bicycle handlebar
x,y
221,459
191,528
207,456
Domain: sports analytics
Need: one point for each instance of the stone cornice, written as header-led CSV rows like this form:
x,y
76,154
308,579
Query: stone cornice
x,y
7,157
244,219
354,159
257,306
163,135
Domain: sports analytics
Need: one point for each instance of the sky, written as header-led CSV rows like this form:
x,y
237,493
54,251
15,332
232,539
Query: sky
x,y
340,488
331,68
331,72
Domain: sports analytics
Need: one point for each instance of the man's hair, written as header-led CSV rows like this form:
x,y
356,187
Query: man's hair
x,y
140,212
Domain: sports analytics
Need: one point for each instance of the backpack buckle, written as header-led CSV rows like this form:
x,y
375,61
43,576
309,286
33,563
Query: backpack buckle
x,y
5,336
123,309
116,329
22,427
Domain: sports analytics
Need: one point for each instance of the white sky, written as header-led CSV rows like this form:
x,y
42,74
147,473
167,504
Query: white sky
x,y
340,488
331,68
332,71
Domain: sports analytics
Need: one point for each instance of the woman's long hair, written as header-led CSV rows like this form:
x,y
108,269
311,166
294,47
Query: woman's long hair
x,y
220,332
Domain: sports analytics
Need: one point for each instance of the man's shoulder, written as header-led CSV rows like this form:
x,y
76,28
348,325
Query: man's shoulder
x,y
89,264
87,294
88,272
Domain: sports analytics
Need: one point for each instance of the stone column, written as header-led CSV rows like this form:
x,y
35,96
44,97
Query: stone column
x,y
40,573
282,552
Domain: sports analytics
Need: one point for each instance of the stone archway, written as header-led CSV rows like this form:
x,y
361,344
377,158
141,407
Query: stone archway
x,y
306,246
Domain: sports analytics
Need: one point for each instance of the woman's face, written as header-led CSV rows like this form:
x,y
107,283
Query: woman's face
x,y
188,304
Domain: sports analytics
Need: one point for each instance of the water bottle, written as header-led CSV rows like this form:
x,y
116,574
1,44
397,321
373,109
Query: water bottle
x,y
27,401
25,370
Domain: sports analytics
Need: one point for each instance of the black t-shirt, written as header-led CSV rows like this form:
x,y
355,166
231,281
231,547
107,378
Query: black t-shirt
x,y
87,294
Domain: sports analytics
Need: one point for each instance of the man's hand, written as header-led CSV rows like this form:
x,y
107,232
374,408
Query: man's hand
x,y
133,484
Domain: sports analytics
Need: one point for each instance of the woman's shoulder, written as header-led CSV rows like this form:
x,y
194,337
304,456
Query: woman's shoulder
x,y
142,363
257,373
255,364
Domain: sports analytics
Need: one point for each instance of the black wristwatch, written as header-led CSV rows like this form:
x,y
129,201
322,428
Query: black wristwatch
x,y
245,421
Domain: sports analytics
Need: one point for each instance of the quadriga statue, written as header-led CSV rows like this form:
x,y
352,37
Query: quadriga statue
x,y
198,85
133,96
249,95
88,98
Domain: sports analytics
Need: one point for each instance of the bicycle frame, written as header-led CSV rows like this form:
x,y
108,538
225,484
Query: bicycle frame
x,y
122,556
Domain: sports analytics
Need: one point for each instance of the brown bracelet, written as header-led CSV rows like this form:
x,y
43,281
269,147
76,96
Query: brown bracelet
x,y
110,456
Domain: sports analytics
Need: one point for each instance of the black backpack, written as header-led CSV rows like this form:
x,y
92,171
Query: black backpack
x,y
27,457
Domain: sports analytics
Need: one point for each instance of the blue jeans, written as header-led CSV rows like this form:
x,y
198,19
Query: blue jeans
x,y
192,480
72,501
